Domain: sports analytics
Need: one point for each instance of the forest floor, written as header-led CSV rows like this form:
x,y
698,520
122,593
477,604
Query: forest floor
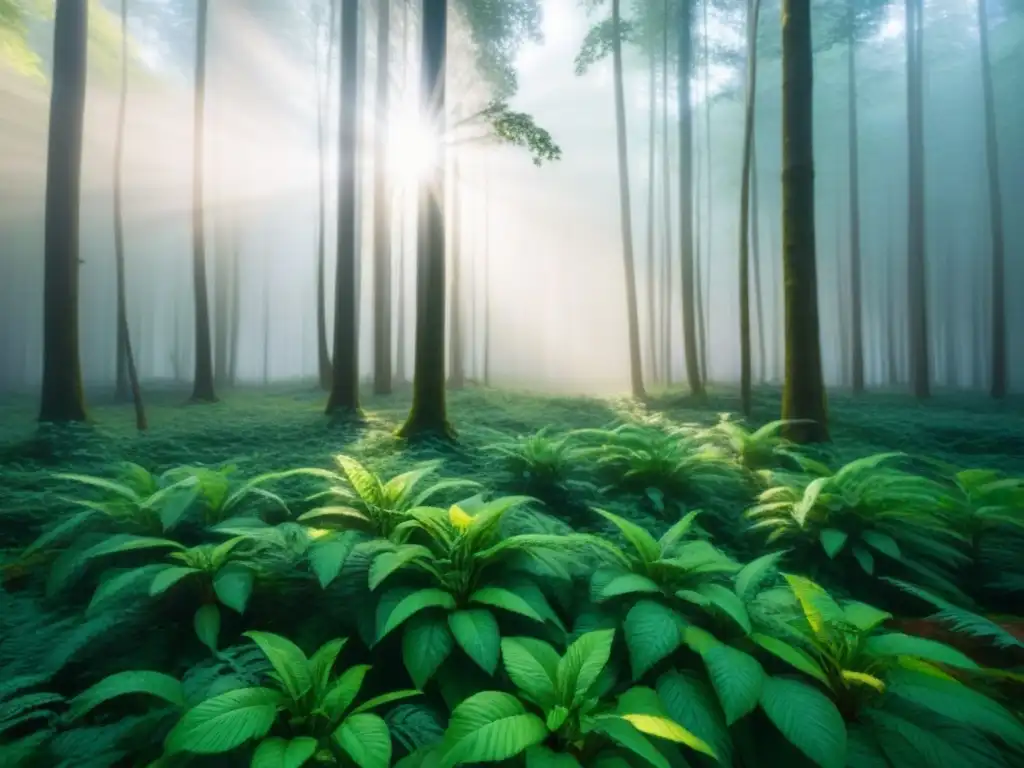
x,y
261,430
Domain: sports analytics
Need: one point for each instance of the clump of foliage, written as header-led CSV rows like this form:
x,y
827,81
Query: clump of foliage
x,y
757,449
543,464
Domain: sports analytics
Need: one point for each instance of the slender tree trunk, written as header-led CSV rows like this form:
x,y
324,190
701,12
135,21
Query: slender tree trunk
x,y
803,394
127,374
667,251
753,15
323,121
457,374
382,374
841,300
755,257
856,292
697,269
995,208
221,304
344,396
202,382
686,197
487,277
710,207
236,306
62,398
778,305
652,340
400,351
428,414
917,282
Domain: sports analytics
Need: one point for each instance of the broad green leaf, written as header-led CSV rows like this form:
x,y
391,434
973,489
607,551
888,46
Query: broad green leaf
x,y
677,532
426,643
663,728
818,607
386,563
384,699
340,696
288,661
728,602
808,719
322,662
528,673
206,623
366,739
652,633
284,753
489,727
582,665
362,480
625,735
124,684
506,600
863,616
833,541
692,704
225,722
882,542
795,657
865,559
645,545
754,573
476,632
540,756
233,585
626,584
116,583
173,502
125,542
58,532
327,558
168,577
899,644
409,606
737,678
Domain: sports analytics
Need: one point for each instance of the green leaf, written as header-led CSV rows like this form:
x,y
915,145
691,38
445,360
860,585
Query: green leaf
x,y
328,557
362,480
124,684
233,585
694,706
728,602
322,662
426,643
276,752
652,634
882,543
645,545
56,533
540,756
737,678
899,644
344,691
505,599
476,632
386,563
385,698
366,739
168,577
807,718
117,583
206,623
489,727
288,661
529,673
833,541
582,665
624,734
627,584
865,559
663,728
409,606
863,616
754,573
174,501
677,532
795,657
225,722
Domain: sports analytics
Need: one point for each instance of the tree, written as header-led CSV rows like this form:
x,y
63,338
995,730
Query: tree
x,y
322,103
917,298
202,382
127,375
803,396
382,375
62,398
995,207
344,396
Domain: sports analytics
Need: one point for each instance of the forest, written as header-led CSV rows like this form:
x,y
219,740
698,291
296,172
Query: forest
x,y
526,383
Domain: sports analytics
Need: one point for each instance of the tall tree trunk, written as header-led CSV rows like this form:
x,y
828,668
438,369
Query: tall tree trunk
x,y
344,397
778,305
236,305
382,374
856,297
710,207
668,254
487,277
917,279
755,259
202,382
686,197
803,395
127,374
652,283
626,210
456,341
323,115
753,15
995,207
892,365
698,291
62,398
399,273
841,301
221,304
428,414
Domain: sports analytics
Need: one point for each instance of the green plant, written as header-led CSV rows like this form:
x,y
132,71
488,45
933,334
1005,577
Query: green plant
x,y
863,510
27,718
761,448
561,714
453,572
541,463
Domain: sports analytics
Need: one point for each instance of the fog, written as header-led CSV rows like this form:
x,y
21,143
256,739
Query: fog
x,y
549,236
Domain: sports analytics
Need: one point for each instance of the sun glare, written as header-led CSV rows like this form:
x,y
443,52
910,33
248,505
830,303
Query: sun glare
x,y
414,150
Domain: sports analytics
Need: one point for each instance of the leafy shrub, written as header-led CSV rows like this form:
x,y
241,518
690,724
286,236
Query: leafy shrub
x,y
761,448
542,464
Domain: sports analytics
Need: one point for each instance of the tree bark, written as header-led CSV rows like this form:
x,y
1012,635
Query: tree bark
x,y
236,306
428,414
652,337
202,381
344,396
382,373
685,31
995,207
323,113
803,396
62,397
856,297
127,374
917,285
636,378
667,252
755,260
